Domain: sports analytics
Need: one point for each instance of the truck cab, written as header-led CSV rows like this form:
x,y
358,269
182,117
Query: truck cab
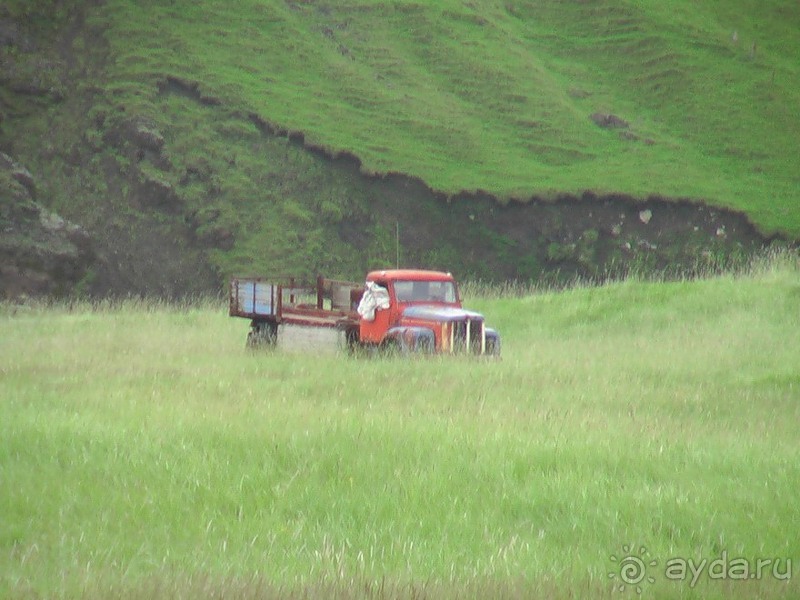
x,y
418,310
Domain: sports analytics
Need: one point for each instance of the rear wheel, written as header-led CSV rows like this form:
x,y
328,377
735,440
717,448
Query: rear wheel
x,y
262,335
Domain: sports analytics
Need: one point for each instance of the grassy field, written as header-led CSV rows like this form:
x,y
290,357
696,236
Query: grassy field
x,y
145,453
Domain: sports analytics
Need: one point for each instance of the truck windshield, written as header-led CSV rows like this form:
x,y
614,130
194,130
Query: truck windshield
x,y
425,291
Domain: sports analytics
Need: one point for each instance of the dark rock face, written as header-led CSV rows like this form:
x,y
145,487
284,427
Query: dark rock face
x,y
147,138
134,133
41,254
158,195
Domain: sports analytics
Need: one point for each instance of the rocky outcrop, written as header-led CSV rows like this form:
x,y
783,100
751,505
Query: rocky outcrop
x,y
609,121
41,254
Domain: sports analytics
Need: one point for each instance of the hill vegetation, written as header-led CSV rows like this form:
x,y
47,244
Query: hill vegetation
x,y
489,96
198,136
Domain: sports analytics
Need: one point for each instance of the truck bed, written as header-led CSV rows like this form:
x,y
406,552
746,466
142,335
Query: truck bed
x,y
328,303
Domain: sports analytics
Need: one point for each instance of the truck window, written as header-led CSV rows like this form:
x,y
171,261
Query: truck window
x,y
425,291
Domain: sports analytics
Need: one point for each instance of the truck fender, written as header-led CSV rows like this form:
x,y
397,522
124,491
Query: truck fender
x,y
492,342
410,339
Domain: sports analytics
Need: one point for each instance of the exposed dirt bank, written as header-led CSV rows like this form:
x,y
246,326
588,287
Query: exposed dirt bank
x,y
589,236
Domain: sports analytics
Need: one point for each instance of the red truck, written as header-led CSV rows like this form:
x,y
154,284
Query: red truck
x,y
406,310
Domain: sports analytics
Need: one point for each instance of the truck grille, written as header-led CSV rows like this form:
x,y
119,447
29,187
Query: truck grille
x,y
468,336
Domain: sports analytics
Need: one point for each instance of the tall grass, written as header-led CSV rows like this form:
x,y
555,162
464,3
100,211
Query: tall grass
x,y
145,453
770,259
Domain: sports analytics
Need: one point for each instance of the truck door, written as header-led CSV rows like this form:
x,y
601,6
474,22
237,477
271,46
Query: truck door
x,y
372,330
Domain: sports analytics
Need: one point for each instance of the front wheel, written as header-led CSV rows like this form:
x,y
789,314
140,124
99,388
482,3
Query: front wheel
x,y
392,347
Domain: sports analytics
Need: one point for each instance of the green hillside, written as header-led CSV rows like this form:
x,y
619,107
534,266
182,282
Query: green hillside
x,y
480,95
192,140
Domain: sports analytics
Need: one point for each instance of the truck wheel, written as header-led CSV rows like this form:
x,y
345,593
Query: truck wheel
x,y
425,345
392,347
262,334
352,344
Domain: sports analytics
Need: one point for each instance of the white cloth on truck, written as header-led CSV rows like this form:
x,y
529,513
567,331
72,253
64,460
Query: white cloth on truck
x,y
375,297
